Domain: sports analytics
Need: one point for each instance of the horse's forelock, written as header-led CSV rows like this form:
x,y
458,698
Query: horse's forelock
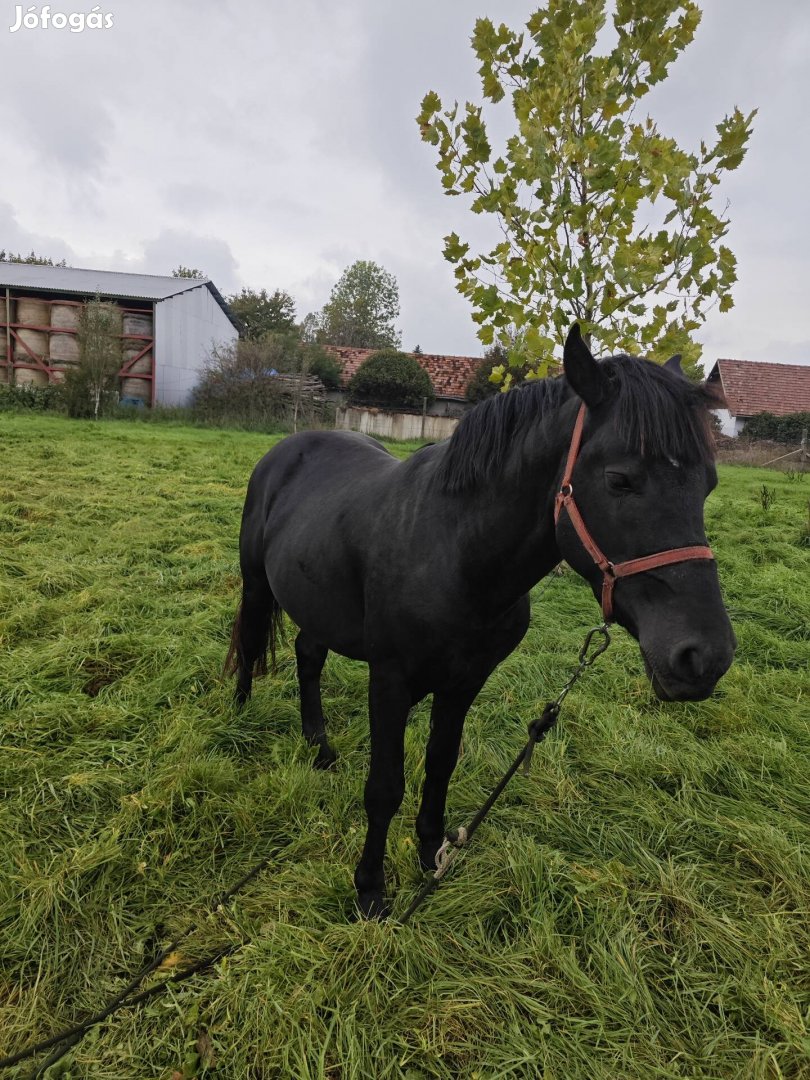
x,y
659,414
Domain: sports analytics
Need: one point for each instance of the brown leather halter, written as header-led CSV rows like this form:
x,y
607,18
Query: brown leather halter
x,y
610,571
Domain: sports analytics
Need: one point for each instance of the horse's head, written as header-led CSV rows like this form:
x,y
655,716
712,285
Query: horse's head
x,y
638,483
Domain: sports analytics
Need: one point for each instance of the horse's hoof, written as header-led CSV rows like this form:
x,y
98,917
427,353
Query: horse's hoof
x,y
371,905
326,758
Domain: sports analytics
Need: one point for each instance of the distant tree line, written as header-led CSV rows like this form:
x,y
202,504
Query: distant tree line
x,y
32,259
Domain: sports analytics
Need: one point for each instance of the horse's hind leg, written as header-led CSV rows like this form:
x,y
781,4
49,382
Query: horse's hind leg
x,y
310,656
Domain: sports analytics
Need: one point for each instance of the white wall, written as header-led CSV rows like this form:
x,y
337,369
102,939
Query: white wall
x,y
388,425
729,425
186,327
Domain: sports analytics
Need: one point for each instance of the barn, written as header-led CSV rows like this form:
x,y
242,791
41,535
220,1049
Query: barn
x,y
750,387
168,327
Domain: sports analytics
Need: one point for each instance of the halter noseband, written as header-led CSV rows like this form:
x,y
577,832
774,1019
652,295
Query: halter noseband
x,y
610,571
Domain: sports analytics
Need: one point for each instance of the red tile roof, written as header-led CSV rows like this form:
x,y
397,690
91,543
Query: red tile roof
x,y
449,374
752,387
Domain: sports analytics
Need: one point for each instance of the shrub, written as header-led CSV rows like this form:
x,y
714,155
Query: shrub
x,y
243,385
29,398
320,363
784,429
391,379
86,397
237,387
309,358
479,387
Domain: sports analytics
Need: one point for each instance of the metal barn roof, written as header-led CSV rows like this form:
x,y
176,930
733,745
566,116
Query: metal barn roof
x,y
124,286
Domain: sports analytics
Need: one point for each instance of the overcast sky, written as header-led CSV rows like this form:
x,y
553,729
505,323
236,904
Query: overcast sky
x,y
273,143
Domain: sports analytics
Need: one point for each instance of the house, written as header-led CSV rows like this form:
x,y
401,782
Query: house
x,y
167,327
751,387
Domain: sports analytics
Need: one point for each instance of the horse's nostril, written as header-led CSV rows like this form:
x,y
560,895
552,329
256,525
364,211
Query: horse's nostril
x,y
687,660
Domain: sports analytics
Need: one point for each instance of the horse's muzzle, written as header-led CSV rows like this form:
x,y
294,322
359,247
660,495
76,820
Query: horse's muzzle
x,y
690,669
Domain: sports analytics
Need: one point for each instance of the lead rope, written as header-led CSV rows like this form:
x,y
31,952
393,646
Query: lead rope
x,y
130,995
456,839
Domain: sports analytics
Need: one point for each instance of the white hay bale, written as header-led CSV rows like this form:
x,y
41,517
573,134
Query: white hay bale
x,y
65,316
64,348
137,324
33,312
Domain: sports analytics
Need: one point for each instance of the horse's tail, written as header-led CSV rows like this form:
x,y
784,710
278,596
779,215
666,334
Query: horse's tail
x,y
256,628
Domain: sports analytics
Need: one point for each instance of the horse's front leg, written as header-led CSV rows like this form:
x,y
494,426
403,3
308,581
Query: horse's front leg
x,y
389,702
447,717
446,723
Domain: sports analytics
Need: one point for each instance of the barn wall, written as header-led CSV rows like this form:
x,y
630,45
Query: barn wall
x,y
389,425
186,328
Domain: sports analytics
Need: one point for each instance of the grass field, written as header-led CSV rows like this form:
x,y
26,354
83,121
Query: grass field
x,y
637,907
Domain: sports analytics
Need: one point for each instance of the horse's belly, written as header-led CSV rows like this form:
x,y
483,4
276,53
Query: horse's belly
x,y
327,610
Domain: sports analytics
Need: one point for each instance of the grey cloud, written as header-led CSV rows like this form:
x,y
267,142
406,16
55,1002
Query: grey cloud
x,y
274,144
190,199
173,247
16,239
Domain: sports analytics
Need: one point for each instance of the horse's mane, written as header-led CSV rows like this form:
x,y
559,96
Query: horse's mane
x,y
657,413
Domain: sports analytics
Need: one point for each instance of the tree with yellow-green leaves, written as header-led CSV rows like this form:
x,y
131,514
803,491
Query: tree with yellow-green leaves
x,y
603,219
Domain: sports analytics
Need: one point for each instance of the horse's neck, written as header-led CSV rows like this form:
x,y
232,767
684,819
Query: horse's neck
x,y
512,544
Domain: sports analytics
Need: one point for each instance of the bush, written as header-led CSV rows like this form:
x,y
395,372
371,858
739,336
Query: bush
x,y
86,397
479,387
783,429
298,356
391,379
243,385
29,398
236,387
320,363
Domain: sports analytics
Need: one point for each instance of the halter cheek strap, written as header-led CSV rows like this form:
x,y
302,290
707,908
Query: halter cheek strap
x,y
610,571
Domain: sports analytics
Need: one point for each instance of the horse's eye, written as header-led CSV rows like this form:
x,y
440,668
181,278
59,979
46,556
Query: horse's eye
x,y
618,482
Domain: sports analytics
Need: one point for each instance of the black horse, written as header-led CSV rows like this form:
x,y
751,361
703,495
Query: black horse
x,y
423,567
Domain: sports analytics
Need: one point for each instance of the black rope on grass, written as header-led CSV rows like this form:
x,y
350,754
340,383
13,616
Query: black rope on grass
x,y
458,838
63,1041
455,839
596,642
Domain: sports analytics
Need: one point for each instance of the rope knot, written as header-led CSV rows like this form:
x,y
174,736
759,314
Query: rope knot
x,y
538,729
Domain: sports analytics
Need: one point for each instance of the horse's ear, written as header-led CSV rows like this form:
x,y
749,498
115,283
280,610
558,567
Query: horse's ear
x,y
584,375
674,365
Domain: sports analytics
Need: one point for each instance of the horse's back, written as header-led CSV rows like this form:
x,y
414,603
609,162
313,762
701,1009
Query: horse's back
x,y
310,504
302,467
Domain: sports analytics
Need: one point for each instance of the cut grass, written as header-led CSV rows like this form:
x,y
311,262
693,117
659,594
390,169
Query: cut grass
x,y
637,907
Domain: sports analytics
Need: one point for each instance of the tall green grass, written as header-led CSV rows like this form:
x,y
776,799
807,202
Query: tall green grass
x,y
637,907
